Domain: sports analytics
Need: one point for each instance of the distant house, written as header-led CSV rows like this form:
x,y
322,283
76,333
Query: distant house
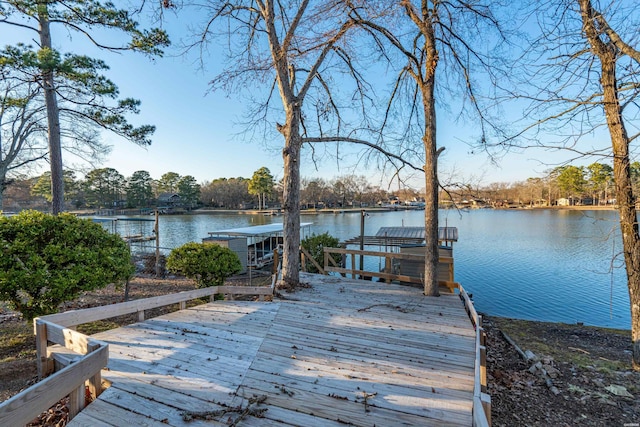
x,y
169,200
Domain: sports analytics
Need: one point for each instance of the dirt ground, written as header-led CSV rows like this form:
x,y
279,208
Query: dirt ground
x,y
578,375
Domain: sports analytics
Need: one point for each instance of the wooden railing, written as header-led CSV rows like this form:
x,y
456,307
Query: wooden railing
x,y
94,354
306,256
445,266
481,399
89,355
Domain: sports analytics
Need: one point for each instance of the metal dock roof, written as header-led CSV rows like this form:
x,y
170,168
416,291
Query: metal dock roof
x,y
449,234
256,230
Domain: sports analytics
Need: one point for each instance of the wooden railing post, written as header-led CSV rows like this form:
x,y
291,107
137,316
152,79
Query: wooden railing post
x,y
276,261
76,401
326,259
486,406
481,400
45,363
387,268
303,260
95,382
353,265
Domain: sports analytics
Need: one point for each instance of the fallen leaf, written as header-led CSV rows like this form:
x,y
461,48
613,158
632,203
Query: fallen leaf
x,y
618,390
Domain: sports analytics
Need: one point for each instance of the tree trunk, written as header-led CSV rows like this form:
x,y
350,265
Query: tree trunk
x,y
3,178
431,209
53,117
625,198
291,197
608,55
430,167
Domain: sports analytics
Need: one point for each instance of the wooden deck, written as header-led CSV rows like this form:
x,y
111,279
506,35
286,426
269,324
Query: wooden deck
x,y
344,352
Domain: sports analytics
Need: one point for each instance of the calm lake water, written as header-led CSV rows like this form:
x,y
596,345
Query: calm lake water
x,y
550,265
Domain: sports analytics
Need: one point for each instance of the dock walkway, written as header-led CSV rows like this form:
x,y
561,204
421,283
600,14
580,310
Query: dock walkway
x,y
342,352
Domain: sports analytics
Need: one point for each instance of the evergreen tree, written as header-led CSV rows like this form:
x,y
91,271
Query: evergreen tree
x,y
261,185
139,189
76,94
168,183
104,187
42,186
189,191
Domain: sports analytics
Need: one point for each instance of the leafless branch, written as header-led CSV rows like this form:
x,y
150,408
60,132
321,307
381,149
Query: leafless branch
x,y
375,147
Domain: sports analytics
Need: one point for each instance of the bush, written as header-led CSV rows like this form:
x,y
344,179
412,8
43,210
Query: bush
x,y
315,245
47,260
207,263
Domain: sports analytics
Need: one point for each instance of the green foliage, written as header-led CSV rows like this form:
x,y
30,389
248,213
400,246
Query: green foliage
x,y
571,180
139,189
315,244
104,187
208,264
86,97
189,191
168,182
261,184
47,260
42,187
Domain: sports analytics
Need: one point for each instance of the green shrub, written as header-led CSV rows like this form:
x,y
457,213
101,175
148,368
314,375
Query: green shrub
x,y
315,244
207,263
47,260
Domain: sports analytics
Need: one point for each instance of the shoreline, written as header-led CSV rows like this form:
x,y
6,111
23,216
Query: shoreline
x,y
335,211
331,211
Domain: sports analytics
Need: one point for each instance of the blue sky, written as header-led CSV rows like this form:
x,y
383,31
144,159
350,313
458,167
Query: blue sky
x,y
198,132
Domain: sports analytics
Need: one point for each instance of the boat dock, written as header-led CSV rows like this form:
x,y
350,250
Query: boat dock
x,y
343,352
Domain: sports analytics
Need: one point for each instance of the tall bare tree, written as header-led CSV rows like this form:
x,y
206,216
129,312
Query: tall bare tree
x,y
585,73
22,129
456,36
612,53
291,46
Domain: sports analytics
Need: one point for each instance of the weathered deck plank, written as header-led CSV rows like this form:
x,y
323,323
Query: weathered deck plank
x,y
312,356
102,413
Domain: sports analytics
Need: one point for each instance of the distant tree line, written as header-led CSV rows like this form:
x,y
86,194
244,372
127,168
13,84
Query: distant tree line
x,y
563,185
315,193
108,188
104,188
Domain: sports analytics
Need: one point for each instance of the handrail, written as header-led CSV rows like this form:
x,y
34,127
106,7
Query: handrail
x,y
445,262
481,399
304,255
94,354
26,405
86,315
390,255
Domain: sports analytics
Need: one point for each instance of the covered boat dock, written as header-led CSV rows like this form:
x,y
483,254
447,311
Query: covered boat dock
x,y
254,245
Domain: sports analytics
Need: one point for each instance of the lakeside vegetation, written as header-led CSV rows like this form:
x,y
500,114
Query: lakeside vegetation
x,y
106,188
